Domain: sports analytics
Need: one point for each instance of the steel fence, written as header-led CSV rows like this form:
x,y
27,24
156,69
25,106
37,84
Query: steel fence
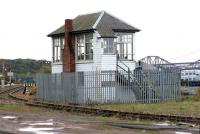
x,y
144,86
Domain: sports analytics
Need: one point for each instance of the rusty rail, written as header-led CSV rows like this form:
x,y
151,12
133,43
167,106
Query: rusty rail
x,y
123,115
107,113
8,89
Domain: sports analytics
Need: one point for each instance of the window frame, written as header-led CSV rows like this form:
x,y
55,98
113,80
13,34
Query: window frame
x,y
57,49
121,40
84,46
78,45
104,46
88,46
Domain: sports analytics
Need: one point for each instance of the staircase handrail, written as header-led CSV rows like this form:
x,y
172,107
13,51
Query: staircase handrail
x,y
129,71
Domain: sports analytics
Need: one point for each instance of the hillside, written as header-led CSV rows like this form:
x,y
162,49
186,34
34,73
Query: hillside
x,y
24,66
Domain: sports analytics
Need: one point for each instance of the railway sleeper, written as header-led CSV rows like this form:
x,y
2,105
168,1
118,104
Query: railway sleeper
x,y
124,115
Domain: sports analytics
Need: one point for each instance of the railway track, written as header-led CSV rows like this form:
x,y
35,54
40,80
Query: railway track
x,y
4,93
122,115
103,112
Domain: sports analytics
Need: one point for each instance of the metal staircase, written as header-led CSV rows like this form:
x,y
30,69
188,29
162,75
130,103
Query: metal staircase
x,y
136,80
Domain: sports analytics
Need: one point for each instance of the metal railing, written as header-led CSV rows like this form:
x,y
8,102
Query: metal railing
x,y
106,87
132,78
122,56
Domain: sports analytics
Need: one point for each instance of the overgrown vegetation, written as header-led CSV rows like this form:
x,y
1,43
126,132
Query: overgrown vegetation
x,y
188,105
32,90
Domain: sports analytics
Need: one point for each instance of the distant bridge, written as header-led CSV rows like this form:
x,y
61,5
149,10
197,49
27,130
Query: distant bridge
x,y
162,63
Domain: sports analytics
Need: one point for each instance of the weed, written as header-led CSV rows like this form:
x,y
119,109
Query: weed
x,y
187,105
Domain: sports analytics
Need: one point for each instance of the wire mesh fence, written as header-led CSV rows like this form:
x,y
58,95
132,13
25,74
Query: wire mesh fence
x,y
144,86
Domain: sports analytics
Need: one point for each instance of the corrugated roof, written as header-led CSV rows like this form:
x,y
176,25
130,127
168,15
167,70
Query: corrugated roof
x,y
105,26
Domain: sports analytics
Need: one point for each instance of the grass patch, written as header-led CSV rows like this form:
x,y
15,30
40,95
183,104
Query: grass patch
x,y
19,107
187,105
9,107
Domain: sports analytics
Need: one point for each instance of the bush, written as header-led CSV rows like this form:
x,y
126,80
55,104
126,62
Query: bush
x,y
32,90
190,98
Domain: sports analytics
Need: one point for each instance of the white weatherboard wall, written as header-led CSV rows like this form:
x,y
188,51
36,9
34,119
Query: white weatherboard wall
x,y
95,64
98,50
88,66
108,62
56,68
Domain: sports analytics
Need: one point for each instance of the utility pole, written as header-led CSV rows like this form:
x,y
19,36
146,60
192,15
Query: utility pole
x,y
3,79
3,67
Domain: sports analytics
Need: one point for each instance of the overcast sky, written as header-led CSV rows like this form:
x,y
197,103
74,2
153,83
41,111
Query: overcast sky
x,y
169,28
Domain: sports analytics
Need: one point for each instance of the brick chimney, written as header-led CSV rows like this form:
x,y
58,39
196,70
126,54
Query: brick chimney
x,y
69,48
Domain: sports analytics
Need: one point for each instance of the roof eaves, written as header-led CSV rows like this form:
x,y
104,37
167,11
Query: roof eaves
x,y
83,31
107,37
55,35
126,30
56,32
